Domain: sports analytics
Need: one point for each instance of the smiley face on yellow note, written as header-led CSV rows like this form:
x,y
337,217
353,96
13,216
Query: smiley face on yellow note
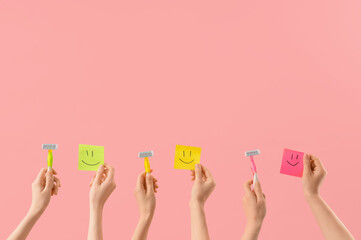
x,y
186,157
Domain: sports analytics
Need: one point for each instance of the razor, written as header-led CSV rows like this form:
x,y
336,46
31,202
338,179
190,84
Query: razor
x,y
253,165
146,155
50,148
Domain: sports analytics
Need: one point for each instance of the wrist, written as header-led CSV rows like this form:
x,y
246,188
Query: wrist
x,y
145,219
194,203
96,208
35,212
254,225
252,229
312,197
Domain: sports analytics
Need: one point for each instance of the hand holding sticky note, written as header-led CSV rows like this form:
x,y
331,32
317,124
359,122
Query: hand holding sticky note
x,y
186,157
90,157
292,163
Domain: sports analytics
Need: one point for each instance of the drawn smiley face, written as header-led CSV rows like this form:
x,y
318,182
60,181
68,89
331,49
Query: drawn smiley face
x,y
292,163
90,157
186,157
294,160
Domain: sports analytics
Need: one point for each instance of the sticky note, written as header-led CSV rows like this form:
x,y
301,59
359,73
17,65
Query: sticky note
x,y
90,157
292,163
186,157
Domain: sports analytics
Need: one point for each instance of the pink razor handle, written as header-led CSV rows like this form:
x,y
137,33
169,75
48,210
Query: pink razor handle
x,y
253,166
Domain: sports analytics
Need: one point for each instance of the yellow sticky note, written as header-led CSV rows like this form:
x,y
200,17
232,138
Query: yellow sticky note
x,y
90,157
186,157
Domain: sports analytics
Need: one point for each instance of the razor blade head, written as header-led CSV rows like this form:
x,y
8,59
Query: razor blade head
x,y
252,153
145,154
50,146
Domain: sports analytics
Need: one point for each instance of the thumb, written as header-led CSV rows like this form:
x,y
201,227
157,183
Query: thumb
x,y
98,175
198,172
149,182
257,188
49,181
306,163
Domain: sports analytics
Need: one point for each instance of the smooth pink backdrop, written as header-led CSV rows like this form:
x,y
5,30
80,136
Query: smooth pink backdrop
x,y
227,76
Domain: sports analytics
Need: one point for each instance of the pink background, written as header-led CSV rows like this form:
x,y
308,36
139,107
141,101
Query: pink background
x,y
227,76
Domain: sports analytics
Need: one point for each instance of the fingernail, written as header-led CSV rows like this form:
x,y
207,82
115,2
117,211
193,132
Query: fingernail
x,y
256,177
197,166
148,173
49,169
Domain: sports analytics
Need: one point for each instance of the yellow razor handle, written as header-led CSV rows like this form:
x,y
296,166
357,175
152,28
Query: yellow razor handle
x,y
146,165
50,158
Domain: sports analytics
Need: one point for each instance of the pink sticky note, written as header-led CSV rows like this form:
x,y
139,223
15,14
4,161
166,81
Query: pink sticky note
x,y
292,163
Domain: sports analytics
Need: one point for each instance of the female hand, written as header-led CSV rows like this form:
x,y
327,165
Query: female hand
x,y
102,185
254,203
203,186
43,187
144,192
313,175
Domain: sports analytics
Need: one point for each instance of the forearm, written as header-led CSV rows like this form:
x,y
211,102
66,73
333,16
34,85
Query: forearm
x,y
199,229
23,229
251,231
331,226
141,231
95,231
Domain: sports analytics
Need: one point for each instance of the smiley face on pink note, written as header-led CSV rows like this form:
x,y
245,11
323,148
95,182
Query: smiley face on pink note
x,y
292,163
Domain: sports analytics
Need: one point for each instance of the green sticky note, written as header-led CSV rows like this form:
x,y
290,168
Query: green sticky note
x,y
90,157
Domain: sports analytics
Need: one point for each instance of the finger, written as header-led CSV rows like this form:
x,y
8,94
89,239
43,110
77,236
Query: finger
x,y
105,172
258,188
306,163
54,172
193,175
49,181
149,182
41,175
247,188
54,190
208,173
57,181
198,172
110,174
140,181
106,167
91,182
98,175
317,162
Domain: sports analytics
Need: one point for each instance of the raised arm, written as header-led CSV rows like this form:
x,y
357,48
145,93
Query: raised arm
x,y
313,175
144,192
203,186
101,186
44,186
254,205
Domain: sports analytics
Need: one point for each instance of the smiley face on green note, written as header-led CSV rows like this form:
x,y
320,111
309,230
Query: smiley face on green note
x,y
90,157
